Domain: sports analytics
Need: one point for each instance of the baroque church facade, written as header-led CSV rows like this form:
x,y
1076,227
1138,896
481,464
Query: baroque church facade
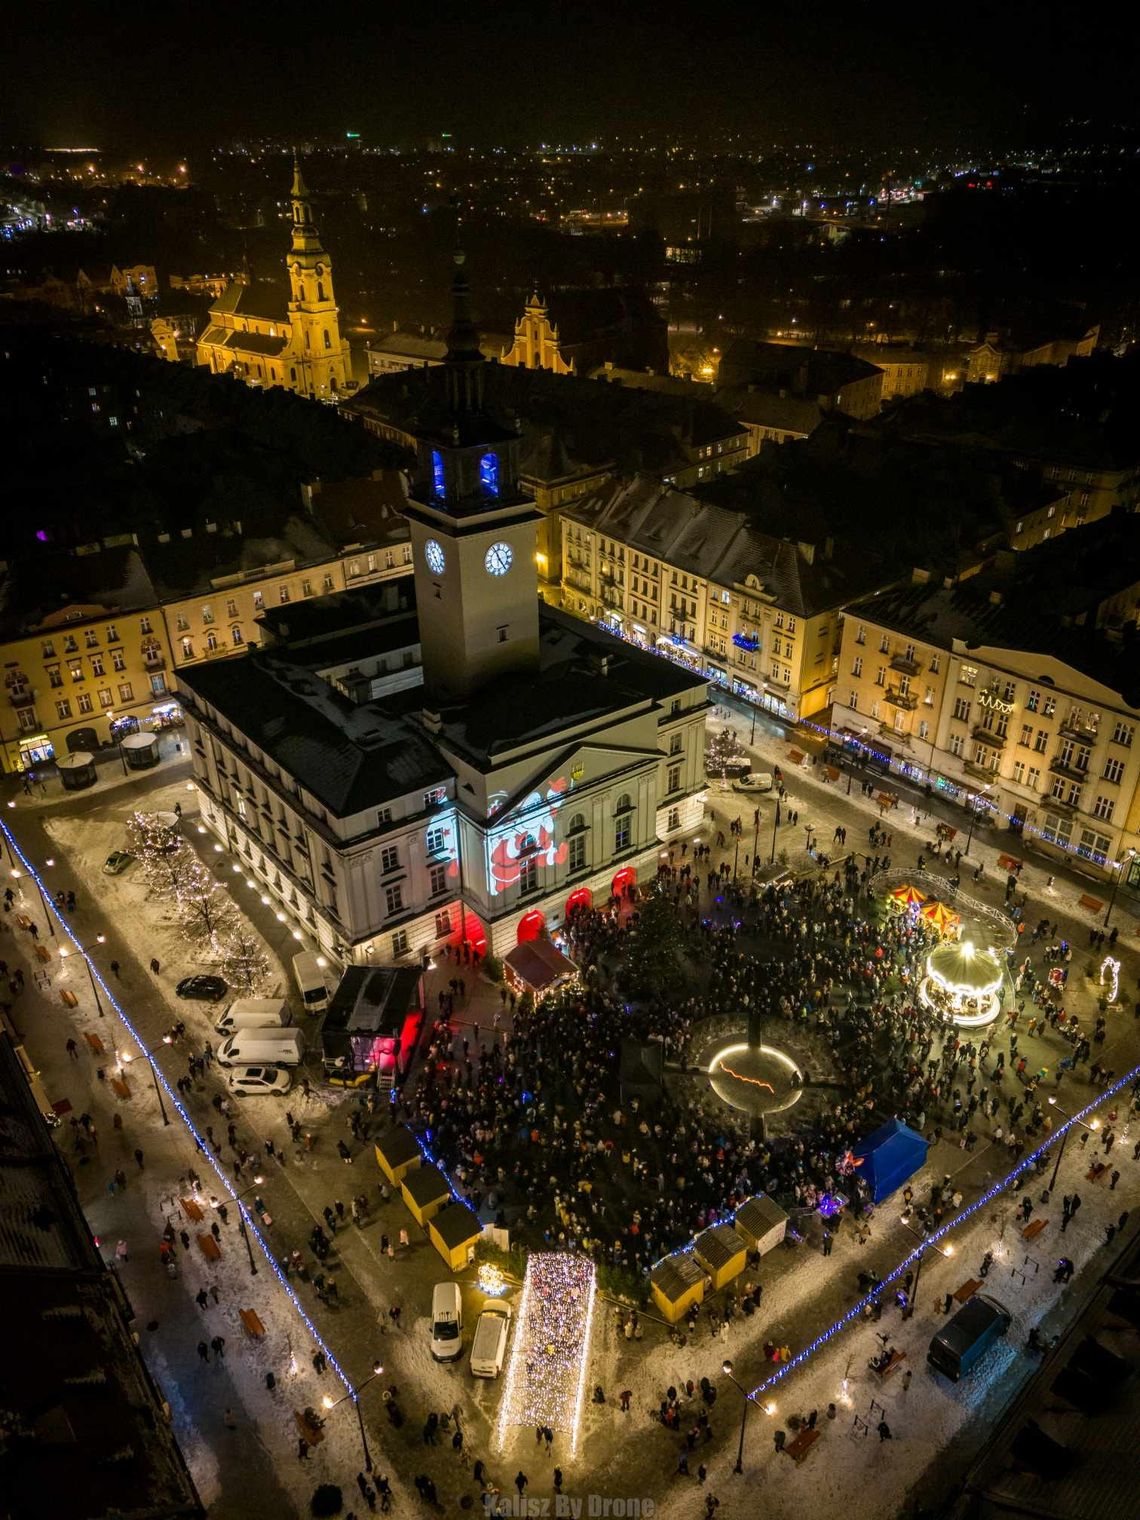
x,y
267,337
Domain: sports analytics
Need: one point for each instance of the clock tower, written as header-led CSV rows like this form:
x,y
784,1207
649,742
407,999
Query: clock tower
x,y
473,528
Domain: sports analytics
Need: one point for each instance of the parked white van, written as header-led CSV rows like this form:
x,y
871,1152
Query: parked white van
x,y
489,1348
446,1322
254,1013
310,979
262,1047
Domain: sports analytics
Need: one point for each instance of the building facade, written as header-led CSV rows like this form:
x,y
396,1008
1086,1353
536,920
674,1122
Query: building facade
x,y
696,584
507,765
1039,742
267,338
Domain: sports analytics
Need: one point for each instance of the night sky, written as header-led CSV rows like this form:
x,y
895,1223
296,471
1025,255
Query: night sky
x,y
182,77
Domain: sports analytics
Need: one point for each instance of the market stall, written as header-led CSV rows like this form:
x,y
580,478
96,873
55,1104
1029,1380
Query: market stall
x,y
677,1283
762,1223
537,966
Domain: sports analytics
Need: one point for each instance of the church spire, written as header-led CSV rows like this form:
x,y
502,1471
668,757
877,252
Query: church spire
x,y
300,190
464,358
306,238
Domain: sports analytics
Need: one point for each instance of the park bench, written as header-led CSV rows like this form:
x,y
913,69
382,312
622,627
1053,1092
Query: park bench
x,y
896,1358
209,1247
120,1087
803,1443
95,1044
967,1290
311,1433
1090,904
252,1323
68,998
191,1209
43,954
1033,1229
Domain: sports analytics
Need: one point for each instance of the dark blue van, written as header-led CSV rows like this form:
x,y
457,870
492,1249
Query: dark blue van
x,y
968,1336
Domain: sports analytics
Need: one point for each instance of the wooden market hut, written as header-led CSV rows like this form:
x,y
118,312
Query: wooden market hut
x,y
397,1153
676,1284
454,1232
425,1191
722,1253
762,1223
537,966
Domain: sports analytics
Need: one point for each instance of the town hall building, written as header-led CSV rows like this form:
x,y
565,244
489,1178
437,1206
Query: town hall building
x,y
471,768
268,336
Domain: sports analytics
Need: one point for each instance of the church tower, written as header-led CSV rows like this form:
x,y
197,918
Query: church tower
x,y
316,345
473,529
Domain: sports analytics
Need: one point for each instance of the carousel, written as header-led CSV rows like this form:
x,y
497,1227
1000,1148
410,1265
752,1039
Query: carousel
x,y
963,983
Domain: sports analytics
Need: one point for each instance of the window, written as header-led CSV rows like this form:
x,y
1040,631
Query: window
x,y
283,593
437,877
673,779
54,676
577,856
1113,770
104,696
181,623
962,709
237,637
676,742
394,898
436,840
857,666
924,729
76,671
91,638
1049,707
158,686
957,744
389,858
881,676
1094,846
621,833
231,608
861,634
853,703
83,702
258,601
112,634
144,627
187,650
400,942
126,692
118,659
63,708
1019,771
1041,742
884,644
1057,829
306,588
791,626
96,664
1026,735
207,614
528,874
1033,777
211,640
48,650
433,798
935,662
1123,733
1033,700
1103,808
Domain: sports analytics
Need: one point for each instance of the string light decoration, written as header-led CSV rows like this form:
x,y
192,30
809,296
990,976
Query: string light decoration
x,y
245,964
491,1280
546,1373
206,1154
1110,967
1010,1180
172,869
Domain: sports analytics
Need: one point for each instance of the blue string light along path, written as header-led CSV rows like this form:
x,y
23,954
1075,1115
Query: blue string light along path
x,y
205,1152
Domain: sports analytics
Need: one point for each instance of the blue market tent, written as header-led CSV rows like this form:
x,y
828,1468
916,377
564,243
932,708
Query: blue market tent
x,y
891,1154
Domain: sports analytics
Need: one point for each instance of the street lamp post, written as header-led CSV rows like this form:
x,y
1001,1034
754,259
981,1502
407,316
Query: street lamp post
x,y
354,1395
775,826
17,875
974,816
64,952
217,1203
1117,873
1092,1128
746,1399
125,1060
946,1251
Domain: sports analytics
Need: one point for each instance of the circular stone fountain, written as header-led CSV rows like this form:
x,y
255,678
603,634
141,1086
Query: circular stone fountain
x,y
756,1079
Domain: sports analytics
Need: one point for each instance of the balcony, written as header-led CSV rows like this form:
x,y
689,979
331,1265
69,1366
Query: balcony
x,y
1061,767
154,661
899,698
983,772
21,696
905,665
1078,726
988,736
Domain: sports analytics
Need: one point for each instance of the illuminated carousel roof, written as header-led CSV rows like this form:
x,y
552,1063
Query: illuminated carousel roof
x,y
965,968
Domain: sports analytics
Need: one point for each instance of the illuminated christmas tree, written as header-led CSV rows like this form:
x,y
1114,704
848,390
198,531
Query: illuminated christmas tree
x,y
161,852
205,913
245,965
723,747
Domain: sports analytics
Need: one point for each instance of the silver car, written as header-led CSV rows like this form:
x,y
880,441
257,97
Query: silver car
x,y
254,1080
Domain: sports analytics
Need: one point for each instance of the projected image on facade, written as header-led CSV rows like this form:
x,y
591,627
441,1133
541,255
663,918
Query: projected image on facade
x,y
525,840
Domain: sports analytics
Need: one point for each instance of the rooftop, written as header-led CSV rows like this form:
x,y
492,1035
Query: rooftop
x,y
801,371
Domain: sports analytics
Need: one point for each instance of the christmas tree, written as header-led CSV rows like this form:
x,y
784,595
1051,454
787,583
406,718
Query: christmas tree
x,y
205,913
723,747
160,850
651,968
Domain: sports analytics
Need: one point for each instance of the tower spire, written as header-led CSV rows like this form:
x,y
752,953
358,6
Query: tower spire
x,y
300,190
306,238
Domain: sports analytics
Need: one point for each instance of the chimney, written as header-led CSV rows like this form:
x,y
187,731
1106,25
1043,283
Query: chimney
x,y
431,721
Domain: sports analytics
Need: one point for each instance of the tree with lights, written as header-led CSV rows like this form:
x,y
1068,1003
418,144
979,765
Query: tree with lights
x,y
245,965
205,912
161,852
723,747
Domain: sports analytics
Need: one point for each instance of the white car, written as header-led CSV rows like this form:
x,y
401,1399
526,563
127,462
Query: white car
x,y
753,781
246,1080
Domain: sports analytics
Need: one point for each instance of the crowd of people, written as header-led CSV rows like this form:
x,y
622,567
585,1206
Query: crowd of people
x,y
535,1126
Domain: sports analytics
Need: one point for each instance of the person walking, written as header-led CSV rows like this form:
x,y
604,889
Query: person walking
x,y
203,1351
154,965
302,1449
202,1298
521,1481
115,968
218,1346
72,1050
827,1242
121,1251
138,1158
625,1396
884,1431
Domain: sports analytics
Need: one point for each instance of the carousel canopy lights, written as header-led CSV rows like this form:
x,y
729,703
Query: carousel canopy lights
x,y
965,969
546,1373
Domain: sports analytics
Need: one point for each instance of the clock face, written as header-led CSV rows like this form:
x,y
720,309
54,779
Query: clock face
x,y
433,553
497,560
